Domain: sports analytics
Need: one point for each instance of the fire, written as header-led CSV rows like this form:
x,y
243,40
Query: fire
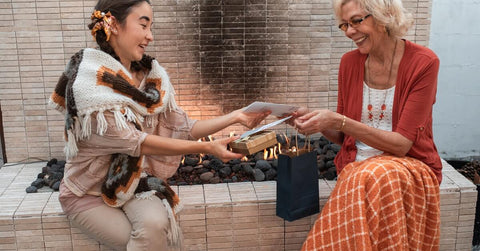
x,y
183,160
287,140
271,153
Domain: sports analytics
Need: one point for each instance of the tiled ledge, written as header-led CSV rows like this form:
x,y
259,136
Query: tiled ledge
x,y
234,216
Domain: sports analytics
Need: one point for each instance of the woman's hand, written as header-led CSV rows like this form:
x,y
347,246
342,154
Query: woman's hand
x,y
316,121
250,119
298,113
219,149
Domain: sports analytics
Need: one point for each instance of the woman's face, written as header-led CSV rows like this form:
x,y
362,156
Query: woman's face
x,y
134,35
366,35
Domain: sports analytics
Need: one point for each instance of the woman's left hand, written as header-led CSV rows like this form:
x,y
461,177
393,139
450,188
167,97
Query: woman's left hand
x,y
250,119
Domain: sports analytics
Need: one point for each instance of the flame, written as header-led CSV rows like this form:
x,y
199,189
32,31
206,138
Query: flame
x,y
244,158
210,138
287,140
200,158
279,148
183,160
270,153
294,149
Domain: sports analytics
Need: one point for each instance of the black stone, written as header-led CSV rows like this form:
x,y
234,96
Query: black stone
x,y
31,189
56,186
225,172
263,165
258,175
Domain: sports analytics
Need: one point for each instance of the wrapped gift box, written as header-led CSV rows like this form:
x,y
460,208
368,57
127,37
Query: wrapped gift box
x,y
254,143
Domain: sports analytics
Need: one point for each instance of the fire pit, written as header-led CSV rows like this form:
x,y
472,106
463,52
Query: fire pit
x,y
207,169
260,166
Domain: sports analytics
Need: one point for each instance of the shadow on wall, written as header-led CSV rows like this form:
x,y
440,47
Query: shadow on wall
x,y
233,52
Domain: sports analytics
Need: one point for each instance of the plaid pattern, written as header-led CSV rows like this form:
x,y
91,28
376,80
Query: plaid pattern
x,y
382,203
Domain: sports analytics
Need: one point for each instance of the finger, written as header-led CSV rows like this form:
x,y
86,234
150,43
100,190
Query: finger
x,y
232,155
232,138
307,116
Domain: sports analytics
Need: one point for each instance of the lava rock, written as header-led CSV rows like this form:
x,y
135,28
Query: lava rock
x,y
38,183
263,165
205,177
235,161
225,172
330,155
330,164
275,163
186,169
258,156
258,175
191,161
201,170
31,189
335,148
321,165
247,168
215,180
56,186
270,174
215,164
236,168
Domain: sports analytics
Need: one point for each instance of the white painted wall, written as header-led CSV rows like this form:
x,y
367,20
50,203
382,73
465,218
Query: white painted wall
x,y
455,38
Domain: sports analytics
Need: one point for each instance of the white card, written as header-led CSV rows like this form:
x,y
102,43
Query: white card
x,y
278,110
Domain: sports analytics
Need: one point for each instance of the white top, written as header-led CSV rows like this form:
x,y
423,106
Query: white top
x,y
377,98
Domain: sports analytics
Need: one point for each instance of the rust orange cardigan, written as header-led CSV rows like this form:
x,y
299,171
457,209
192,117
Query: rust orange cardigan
x,y
415,91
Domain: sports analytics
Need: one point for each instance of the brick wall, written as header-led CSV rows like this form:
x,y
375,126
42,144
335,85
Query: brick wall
x,y
221,55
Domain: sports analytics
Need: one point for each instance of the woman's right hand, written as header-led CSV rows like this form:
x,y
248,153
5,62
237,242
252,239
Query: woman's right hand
x,y
219,149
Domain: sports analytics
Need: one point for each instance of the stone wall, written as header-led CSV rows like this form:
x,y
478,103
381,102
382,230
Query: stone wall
x,y
221,55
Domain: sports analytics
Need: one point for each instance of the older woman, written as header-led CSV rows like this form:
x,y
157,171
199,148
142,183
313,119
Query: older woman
x,y
387,193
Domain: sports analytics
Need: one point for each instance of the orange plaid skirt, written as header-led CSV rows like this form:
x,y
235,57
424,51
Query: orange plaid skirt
x,y
382,203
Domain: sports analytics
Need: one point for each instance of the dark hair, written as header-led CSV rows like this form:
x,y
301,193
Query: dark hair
x,y
120,9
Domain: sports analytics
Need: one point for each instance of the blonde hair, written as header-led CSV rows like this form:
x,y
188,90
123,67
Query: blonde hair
x,y
389,13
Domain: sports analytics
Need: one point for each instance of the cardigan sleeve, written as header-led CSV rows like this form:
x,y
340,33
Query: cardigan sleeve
x,y
416,106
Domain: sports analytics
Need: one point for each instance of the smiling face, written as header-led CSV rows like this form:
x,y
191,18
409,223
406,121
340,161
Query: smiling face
x,y
368,36
130,38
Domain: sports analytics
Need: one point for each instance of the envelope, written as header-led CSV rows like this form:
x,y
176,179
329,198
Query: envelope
x,y
278,110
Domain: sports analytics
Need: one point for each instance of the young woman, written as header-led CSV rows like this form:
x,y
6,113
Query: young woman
x,y
387,193
125,134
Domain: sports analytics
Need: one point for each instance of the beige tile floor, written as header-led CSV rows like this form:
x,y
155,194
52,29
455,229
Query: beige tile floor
x,y
235,216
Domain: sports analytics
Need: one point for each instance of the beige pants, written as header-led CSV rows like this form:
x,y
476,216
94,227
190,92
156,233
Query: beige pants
x,y
141,224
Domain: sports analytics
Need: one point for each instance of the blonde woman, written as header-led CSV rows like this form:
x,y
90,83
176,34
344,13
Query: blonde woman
x,y
387,193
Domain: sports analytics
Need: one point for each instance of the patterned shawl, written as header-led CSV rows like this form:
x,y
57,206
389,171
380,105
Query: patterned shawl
x,y
93,82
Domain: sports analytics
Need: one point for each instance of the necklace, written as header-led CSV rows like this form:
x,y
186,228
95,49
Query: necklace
x,y
383,107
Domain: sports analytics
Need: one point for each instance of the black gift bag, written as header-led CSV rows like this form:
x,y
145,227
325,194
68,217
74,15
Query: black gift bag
x,y
297,185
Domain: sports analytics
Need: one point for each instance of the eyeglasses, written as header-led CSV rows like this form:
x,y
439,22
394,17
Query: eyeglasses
x,y
354,23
